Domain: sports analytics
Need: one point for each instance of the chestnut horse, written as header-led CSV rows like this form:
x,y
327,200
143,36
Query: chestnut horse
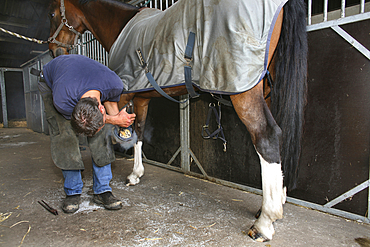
x,y
275,133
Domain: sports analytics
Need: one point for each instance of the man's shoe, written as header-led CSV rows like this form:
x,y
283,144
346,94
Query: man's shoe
x,y
71,204
108,200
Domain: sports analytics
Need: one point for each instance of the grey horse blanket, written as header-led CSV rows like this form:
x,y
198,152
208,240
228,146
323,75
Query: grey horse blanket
x,y
230,51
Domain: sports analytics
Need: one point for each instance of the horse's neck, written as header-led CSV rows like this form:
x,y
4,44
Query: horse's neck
x,y
105,19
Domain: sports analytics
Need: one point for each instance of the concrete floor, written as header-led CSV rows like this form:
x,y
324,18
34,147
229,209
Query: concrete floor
x,y
166,209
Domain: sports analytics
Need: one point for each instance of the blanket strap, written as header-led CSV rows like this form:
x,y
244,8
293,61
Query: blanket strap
x,y
152,80
187,69
270,83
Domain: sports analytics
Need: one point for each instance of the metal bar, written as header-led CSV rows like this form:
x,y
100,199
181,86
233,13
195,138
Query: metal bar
x,y
343,9
348,194
11,69
33,59
91,48
309,8
198,163
3,97
101,54
107,58
98,47
41,105
83,46
152,162
332,211
79,47
174,156
352,41
342,21
362,6
184,134
89,45
102,50
86,45
95,51
103,57
325,10
136,2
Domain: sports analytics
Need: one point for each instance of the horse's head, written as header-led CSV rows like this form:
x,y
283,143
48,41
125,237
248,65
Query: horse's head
x,y
65,26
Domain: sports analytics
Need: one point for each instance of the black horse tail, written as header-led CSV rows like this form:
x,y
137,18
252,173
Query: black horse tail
x,y
289,91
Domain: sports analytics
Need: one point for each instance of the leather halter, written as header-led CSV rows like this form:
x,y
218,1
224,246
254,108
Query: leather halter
x,y
64,22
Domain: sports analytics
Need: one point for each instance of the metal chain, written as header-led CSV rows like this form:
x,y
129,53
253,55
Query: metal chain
x,y
24,37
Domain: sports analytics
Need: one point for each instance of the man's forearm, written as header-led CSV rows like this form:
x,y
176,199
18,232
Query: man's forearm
x,y
111,108
112,113
116,117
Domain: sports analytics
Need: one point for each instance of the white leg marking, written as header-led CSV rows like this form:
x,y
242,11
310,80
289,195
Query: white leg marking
x,y
274,196
138,170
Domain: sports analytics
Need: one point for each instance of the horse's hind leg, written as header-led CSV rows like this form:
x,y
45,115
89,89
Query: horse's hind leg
x,y
266,136
141,110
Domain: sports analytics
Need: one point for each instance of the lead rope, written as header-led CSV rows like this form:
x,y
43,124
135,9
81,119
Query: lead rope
x,y
23,37
52,39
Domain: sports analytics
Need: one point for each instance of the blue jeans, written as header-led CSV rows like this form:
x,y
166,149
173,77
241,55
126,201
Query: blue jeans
x,y
101,177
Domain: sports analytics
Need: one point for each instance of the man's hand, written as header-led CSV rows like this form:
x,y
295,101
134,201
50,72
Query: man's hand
x,y
116,117
124,119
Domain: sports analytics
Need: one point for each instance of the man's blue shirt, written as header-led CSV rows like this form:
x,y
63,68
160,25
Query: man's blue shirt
x,y
71,76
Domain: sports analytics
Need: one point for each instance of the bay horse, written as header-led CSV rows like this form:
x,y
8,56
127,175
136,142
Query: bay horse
x,y
275,130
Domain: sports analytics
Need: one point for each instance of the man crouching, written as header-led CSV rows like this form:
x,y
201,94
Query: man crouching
x,y
81,97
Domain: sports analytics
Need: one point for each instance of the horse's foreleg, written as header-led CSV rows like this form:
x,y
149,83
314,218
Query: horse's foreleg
x,y
266,136
124,99
138,170
141,110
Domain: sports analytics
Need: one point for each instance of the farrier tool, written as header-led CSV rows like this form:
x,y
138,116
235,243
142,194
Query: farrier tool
x,y
48,208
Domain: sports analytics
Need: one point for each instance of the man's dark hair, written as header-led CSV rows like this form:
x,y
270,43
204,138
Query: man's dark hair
x,y
86,117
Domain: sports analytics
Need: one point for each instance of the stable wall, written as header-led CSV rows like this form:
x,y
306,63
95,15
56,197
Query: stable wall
x,y
335,154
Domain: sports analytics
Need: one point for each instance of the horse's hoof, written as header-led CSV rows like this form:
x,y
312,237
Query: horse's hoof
x,y
258,214
130,182
133,180
257,236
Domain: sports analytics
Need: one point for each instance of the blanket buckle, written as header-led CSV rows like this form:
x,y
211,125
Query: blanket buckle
x,y
144,65
188,61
